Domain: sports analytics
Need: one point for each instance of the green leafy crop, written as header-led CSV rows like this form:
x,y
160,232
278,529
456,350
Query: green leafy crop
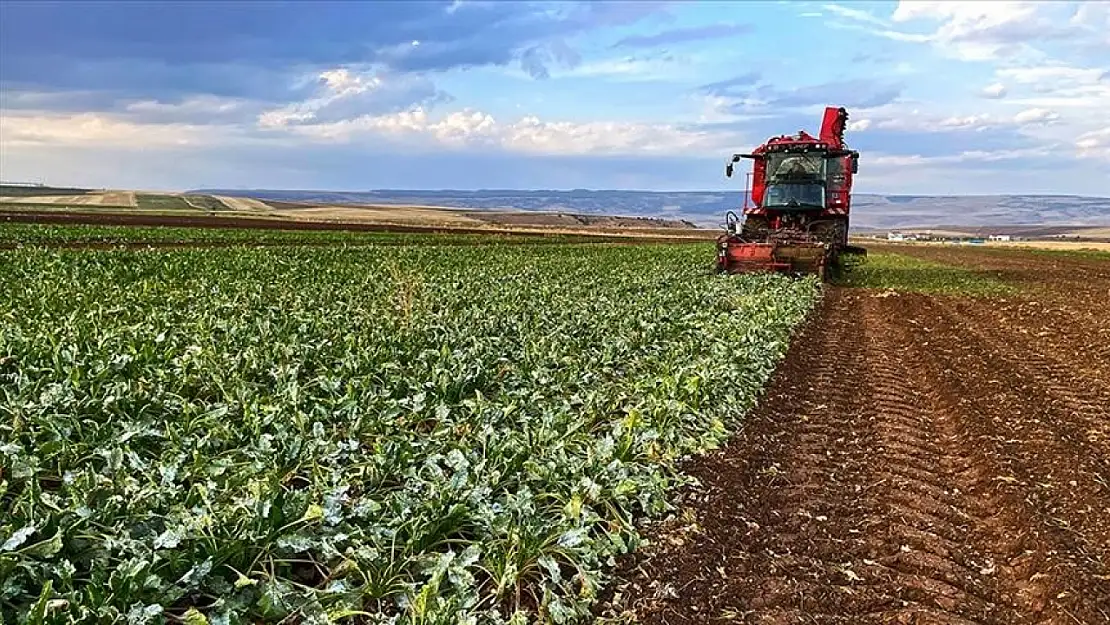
x,y
885,270
34,234
406,434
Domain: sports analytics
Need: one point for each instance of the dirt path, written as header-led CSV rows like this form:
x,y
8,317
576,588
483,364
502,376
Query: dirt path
x,y
917,459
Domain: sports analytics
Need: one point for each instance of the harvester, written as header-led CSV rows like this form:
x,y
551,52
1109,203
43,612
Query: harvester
x,y
797,206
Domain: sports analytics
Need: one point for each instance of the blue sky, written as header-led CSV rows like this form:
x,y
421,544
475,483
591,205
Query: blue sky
x,y
944,97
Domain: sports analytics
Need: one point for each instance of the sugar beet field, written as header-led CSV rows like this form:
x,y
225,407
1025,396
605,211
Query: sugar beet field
x,y
402,434
204,427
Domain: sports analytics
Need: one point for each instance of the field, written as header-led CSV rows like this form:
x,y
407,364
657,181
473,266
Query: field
x,y
205,202
935,448
195,220
361,427
46,204
425,431
82,236
148,201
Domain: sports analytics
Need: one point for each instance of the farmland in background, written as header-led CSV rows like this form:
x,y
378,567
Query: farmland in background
x,y
45,204
162,202
205,202
33,191
425,432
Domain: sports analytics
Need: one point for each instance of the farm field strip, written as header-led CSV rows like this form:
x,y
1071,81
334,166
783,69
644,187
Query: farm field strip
x,y
423,433
162,201
140,218
205,202
80,235
244,204
118,200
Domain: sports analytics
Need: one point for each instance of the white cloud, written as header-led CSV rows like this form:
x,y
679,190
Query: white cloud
x,y
629,67
1094,17
964,17
1094,139
199,104
1094,144
338,84
858,125
981,31
344,93
1084,91
529,134
1036,116
967,122
968,156
716,108
994,91
855,14
94,129
342,82
1056,75
918,121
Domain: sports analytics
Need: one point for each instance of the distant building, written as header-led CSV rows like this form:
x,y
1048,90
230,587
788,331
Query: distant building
x,y
999,237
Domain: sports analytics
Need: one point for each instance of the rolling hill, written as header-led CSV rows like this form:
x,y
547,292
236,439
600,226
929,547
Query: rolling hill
x,y
707,208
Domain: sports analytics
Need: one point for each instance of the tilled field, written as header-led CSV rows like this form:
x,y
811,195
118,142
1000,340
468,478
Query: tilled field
x,y
917,459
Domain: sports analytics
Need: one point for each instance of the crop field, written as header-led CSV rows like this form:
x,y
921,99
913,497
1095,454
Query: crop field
x,y
205,202
934,448
63,226
203,425
375,434
32,191
162,202
82,236
243,203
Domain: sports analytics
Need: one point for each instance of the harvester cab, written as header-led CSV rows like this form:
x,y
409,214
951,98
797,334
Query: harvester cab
x,y
796,210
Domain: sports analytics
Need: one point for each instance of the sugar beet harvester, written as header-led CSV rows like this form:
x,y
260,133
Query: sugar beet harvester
x,y
800,199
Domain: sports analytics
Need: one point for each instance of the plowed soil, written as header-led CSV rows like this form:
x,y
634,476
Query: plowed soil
x,y
916,459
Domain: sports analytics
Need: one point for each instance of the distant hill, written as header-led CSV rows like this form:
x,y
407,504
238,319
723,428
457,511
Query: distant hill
x,y
707,208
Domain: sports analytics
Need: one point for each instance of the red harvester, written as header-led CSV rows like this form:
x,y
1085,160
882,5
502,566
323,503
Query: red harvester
x,y
800,198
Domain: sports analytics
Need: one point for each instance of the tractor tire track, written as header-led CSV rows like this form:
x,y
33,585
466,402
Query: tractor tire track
x,y
883,479
1046,463
942,538
1034,359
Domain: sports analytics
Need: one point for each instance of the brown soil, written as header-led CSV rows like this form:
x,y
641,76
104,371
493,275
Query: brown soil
x,y
916,459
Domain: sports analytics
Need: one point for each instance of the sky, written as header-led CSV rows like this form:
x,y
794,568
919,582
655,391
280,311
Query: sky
x,y
943,97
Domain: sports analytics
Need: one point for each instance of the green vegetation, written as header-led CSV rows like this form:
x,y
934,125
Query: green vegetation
x,y
49,234
414,434
205,202
20,191
1078,254
47,208
883,270
162,202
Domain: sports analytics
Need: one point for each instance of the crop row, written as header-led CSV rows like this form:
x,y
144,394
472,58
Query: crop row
x,y
17,234
412,434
